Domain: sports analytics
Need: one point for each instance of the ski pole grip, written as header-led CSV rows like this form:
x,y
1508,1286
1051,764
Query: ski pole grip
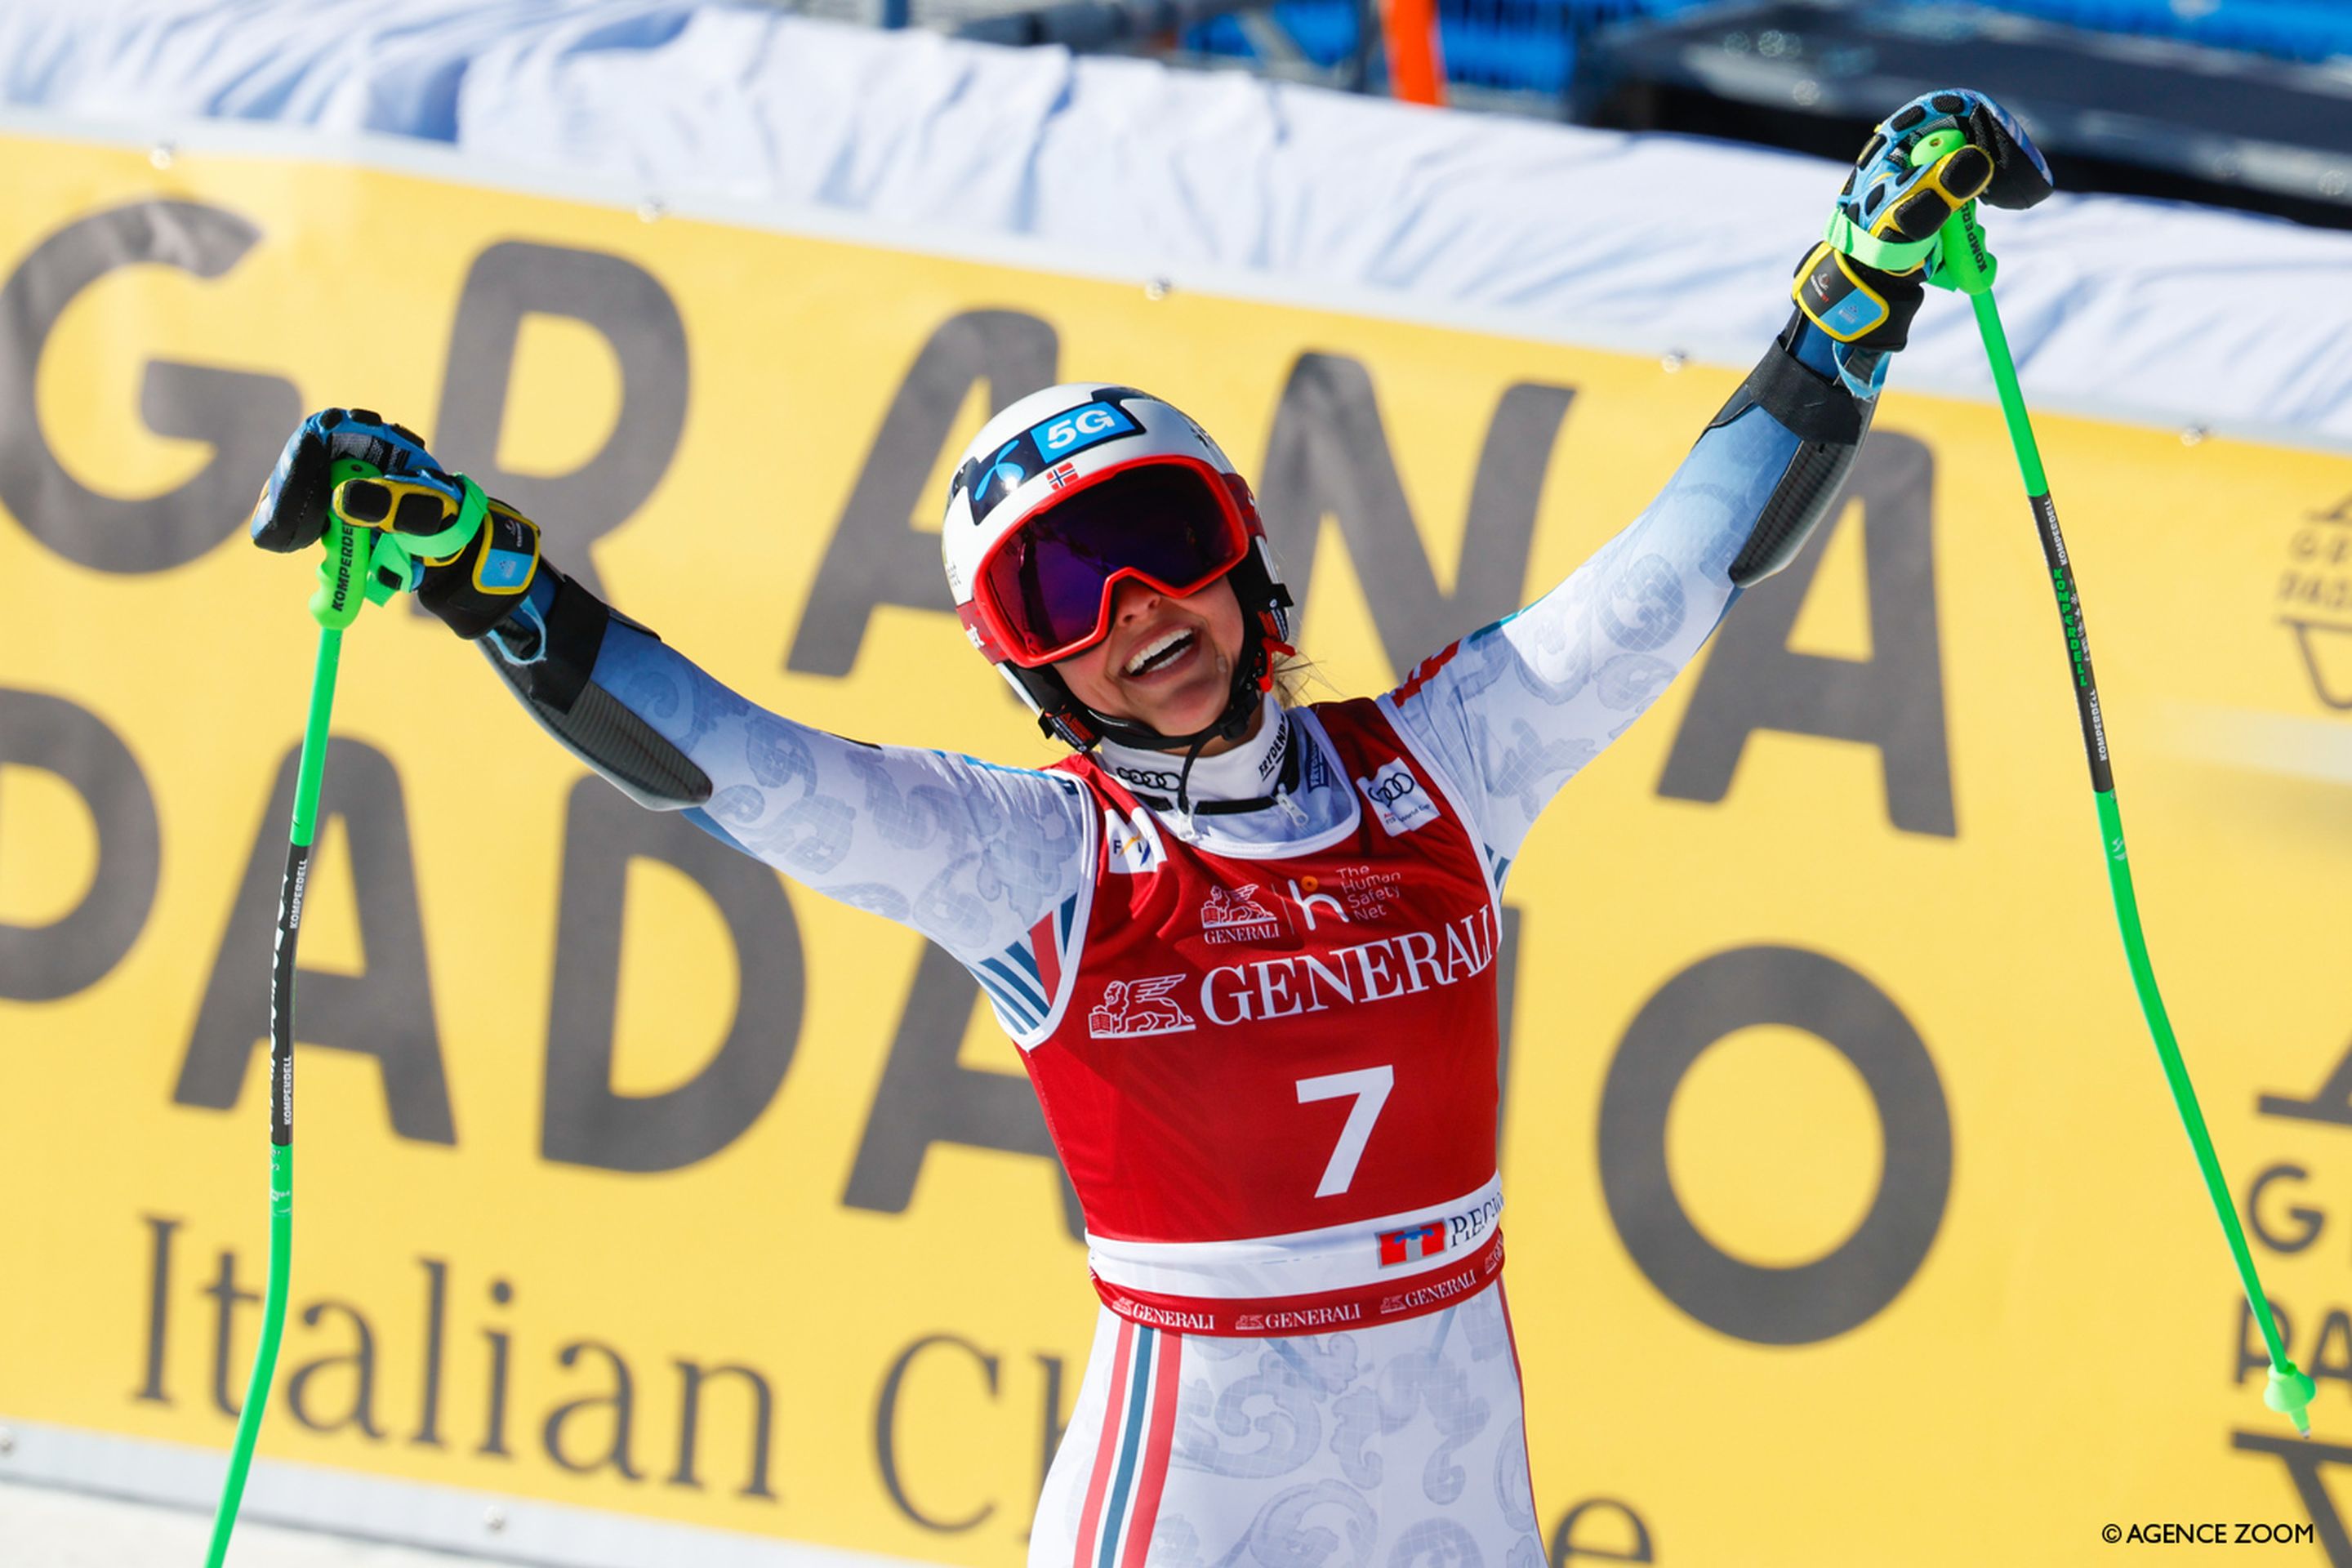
x,y
1959,259
1962,262
343,570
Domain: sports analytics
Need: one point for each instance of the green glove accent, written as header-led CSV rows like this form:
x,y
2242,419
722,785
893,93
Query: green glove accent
x,y
400,555
431,521
1897,256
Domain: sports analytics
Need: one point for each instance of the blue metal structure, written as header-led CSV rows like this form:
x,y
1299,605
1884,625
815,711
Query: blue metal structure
x,y
1525,45
1529,46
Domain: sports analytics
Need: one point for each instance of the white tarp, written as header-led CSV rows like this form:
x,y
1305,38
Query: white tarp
x,y
2174,312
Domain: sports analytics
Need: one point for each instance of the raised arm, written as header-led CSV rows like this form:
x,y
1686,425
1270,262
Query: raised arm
x,y
1513,709
1516,709
973,857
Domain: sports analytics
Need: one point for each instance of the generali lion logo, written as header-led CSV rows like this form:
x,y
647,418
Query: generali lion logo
x,y
1139,1007
1233,914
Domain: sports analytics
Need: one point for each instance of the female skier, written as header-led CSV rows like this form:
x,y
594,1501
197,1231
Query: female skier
x,y
1247,948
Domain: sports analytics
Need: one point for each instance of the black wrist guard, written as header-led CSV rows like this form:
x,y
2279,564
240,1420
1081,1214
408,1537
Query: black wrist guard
x,y
545,650
1829,423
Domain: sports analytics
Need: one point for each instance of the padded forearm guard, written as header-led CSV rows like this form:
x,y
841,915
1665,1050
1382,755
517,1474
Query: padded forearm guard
x,y
1829,423
545,650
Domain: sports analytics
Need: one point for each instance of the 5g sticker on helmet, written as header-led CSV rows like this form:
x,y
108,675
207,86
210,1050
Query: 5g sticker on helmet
x,y
1068,434
1038,447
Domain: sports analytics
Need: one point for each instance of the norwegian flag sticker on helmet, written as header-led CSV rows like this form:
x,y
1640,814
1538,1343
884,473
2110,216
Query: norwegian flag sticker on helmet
x,y
1048,442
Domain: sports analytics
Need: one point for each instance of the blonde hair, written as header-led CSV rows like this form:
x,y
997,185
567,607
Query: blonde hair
x,y
1292,674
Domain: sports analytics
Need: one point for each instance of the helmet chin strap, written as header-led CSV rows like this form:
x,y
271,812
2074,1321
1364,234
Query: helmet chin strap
x,y
1251,676
1264,627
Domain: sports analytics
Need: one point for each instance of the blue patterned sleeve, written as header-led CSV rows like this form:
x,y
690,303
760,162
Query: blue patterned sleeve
x,y
971,855
1513,709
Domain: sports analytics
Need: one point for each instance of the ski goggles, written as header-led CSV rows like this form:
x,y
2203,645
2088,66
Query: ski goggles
x,y
1045,590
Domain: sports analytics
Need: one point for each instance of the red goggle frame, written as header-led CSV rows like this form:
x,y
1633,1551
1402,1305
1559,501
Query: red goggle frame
x,y
1054,567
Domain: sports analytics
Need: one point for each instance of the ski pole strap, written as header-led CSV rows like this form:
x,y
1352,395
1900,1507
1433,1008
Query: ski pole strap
x,y
1897,256
399,557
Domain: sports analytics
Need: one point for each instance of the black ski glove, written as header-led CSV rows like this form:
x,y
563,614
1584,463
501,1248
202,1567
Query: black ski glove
x,y
469,587
1862,284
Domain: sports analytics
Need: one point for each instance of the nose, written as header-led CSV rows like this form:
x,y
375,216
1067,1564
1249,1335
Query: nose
x,y
1132,599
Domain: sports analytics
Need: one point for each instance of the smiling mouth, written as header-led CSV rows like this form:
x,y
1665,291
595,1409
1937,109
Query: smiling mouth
x,y
1159,653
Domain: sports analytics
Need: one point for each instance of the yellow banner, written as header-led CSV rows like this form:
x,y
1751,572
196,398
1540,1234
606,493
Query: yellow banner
x,y
1850,1220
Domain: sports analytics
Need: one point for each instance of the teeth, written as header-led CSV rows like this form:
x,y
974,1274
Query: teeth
x,y
1152,650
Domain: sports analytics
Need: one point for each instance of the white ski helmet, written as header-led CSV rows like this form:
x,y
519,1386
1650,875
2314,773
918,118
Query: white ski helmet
x,y
1073,489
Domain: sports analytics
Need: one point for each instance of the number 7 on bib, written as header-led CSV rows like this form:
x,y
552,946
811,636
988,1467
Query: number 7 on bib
x,y
1369,1086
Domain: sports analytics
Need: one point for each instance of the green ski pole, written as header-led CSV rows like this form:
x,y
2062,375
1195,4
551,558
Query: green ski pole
x,y
345,584
1963,263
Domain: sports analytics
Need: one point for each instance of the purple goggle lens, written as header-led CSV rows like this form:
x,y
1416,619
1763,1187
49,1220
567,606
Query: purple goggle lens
x,y
1048,584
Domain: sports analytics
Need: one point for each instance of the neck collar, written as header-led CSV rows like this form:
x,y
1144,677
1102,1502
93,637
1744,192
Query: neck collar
x,y
1243,778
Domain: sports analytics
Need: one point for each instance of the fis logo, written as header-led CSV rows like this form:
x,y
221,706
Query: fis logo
x,y
1132,844
1411,1244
